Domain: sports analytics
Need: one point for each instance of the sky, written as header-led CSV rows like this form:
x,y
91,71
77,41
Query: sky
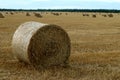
x,y
60,4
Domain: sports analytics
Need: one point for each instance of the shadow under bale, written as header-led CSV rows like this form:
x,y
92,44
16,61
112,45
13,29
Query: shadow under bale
x,y
41,45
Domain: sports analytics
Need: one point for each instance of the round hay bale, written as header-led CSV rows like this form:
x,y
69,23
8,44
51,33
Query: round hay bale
x,y
94,16
27,14
1,15
104,15
7,13
41,45
38,15
85,14
66,13
110,15
11,13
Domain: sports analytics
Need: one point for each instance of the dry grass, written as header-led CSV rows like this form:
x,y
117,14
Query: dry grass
x,y
95,48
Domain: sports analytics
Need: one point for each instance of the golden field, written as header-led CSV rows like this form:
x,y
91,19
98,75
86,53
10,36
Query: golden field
x,y
95,42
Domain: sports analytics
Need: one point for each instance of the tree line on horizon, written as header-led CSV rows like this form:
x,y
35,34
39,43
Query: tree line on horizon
x,y
66,10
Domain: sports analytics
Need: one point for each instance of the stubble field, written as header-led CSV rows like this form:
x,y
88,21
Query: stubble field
x,y
95,42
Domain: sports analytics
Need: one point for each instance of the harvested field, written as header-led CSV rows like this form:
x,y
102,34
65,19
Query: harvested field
x,y
95,53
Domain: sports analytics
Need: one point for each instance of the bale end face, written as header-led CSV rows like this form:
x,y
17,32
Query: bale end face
x,y
1,15
48,45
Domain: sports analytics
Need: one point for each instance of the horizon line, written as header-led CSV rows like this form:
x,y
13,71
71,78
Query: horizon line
x,y
56,9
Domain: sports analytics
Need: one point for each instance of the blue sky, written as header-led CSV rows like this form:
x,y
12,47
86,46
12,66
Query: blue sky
x,y
60,4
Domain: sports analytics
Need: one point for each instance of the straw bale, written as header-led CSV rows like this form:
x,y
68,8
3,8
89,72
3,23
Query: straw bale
x,y
41,45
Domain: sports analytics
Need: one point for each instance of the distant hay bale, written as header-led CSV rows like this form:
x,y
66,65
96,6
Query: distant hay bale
x,y
56,14
104,15
38,15
41,45
85,14
11,13
66,13
1,15
6,12
27,14
110,15
60,13
94,16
